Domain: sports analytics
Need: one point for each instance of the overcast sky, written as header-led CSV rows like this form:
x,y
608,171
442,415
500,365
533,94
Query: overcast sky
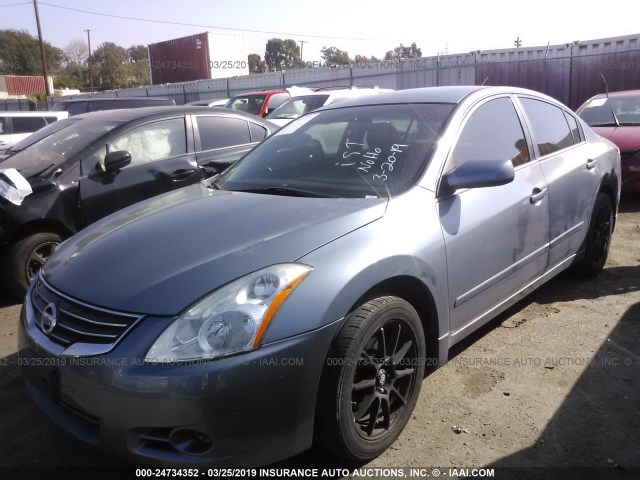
x,y
367,28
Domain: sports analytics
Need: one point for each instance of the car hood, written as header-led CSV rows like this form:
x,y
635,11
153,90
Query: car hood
x,y
159,256
627,139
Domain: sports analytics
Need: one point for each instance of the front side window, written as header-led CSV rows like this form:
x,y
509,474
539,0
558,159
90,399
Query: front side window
x,y
493,132
354,152
222,132
152,142
550,127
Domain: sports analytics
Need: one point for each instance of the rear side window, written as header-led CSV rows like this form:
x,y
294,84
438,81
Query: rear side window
x,y
220,132
3,125
550,127
573,125
258,132
76,108
27,124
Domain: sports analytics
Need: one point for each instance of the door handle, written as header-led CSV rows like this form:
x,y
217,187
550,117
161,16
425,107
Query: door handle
x,y
591,163
537,195
180,175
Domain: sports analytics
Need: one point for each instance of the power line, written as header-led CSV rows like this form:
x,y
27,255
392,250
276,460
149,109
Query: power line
x,y
212,26
14,4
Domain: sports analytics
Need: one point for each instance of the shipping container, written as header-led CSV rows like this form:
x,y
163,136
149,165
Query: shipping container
x,y
14,85
203,56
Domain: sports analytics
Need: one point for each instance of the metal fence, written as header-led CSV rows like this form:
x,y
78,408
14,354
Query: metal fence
x,y
570,73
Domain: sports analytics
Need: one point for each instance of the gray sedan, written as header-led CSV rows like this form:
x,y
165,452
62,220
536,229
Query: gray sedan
x,y
301,295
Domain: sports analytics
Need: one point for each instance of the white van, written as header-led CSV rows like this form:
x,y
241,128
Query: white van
x,y
15,126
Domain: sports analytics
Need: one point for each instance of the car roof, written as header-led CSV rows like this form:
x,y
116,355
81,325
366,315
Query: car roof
x,y
128,114
263,92
112,99
450,94
621,93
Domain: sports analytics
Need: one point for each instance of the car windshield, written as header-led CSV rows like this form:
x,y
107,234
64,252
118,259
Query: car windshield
x,y
295,107
346,152
52,151
42,133
247,103
613,111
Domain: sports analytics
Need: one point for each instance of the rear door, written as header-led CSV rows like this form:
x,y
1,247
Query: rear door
x,y
496,237
221,141
162,159
573,176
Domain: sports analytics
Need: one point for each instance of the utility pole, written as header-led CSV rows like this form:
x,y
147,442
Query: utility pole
x,y
90,60
518,42
42,55
302,42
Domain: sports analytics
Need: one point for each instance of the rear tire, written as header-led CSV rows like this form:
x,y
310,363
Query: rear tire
x,y
23,261
598,238
371,380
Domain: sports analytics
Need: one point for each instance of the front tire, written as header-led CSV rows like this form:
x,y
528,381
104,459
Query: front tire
x,y
24,259
598,238
372,378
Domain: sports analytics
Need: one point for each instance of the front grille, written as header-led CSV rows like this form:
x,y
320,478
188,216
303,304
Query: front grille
x,y
78,322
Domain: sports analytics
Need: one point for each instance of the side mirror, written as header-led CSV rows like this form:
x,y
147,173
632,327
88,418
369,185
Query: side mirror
x,y
477,174
115,161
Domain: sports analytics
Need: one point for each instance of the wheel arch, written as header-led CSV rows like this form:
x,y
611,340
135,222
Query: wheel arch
x,y
42,225
418,295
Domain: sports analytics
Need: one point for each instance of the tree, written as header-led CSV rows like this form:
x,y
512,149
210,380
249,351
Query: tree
x,y
401,52
335,56
282,55
138,65
365,59
20,54
109,65
256,65
76,53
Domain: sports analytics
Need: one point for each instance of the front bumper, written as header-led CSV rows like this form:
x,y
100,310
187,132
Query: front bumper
x,y
246,410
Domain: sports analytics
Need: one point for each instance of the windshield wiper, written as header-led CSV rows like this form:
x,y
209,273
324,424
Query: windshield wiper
x,y
290,191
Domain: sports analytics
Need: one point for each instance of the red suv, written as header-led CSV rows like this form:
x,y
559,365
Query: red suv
x,y
258,103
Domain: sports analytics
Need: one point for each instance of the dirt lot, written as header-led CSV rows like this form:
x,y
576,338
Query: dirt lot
x,y
554,382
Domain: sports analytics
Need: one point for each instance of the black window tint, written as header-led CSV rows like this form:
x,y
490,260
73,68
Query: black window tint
x,y
77,108
550,128
258,132
573,125
220,132
27,124
493,132
3,125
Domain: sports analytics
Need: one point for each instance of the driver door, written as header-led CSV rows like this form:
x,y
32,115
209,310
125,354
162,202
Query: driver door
x,y
162,159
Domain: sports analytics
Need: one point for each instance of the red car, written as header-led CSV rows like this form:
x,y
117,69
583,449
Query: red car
x,y
616,117
258,103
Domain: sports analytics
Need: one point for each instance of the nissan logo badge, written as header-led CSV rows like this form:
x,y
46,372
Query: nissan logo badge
x,y
49,318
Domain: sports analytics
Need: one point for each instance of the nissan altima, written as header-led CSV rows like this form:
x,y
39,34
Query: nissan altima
x,y
300,296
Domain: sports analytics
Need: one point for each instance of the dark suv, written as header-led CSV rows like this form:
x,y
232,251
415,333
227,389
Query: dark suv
x,y
102,162
76,106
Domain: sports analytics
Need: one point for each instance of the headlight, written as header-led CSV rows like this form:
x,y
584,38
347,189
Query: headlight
x,y
232,319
